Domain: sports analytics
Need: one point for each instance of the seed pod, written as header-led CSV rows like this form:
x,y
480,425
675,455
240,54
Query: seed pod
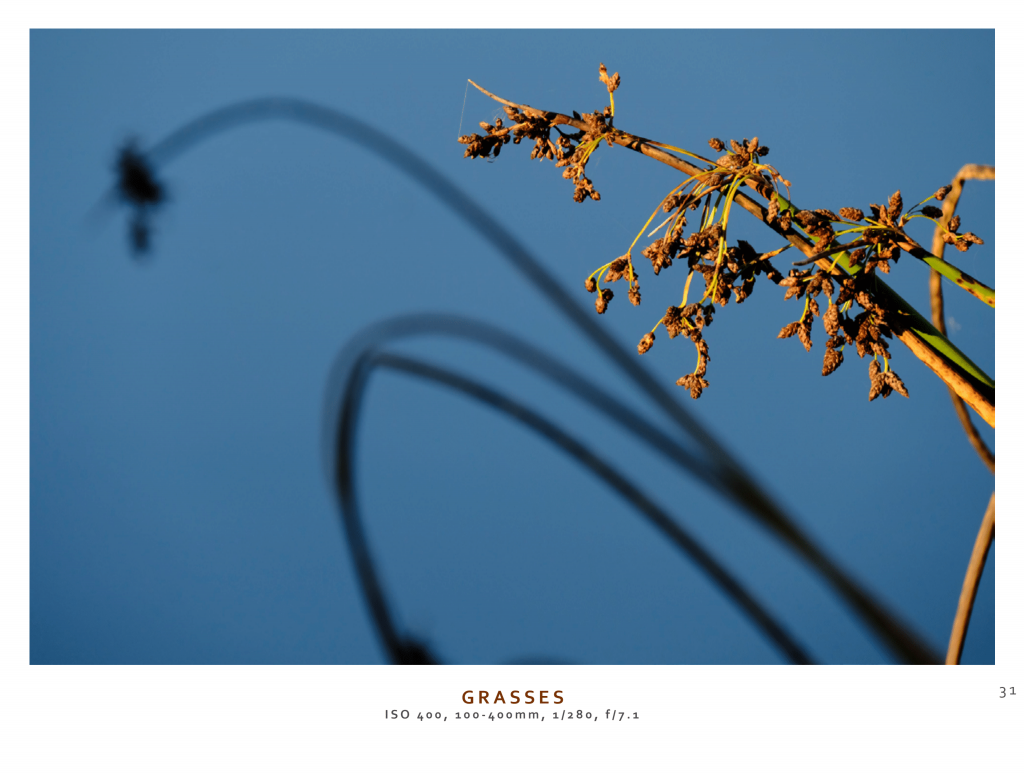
x,y
645,343
611,82
804,334
833,360
895,206
893,381
616,269
877,386
788,330
831,320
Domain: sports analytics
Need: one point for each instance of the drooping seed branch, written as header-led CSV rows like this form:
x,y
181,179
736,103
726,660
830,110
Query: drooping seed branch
x,y
922,338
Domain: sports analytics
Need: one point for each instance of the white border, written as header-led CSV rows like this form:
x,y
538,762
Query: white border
x,y
300,719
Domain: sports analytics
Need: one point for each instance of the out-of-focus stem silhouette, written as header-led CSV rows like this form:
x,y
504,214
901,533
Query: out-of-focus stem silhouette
x,y
608,473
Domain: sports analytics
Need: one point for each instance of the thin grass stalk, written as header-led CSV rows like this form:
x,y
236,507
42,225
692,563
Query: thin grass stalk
x,y
967,172
975,567
400,650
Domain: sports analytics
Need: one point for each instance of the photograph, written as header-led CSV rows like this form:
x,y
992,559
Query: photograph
x,y
319,378
394,379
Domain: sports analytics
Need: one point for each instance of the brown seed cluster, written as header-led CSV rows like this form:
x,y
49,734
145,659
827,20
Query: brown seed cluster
x,y
569,150
575,156
693,383
868,331
729,273
478,146
530,127
960,241
883,383
646,343
611,82
688,321
616,270
818,224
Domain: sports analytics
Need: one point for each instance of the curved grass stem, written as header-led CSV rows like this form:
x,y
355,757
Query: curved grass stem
x,y
982,544
968,172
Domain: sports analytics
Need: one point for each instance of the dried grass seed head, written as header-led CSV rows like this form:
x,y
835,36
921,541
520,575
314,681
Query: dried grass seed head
x,y
645,343
611,82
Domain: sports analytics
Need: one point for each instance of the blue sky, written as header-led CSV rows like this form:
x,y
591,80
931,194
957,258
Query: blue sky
x,y
180,510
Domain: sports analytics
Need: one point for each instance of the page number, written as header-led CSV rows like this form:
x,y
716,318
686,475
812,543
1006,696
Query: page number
x,y
1006,692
